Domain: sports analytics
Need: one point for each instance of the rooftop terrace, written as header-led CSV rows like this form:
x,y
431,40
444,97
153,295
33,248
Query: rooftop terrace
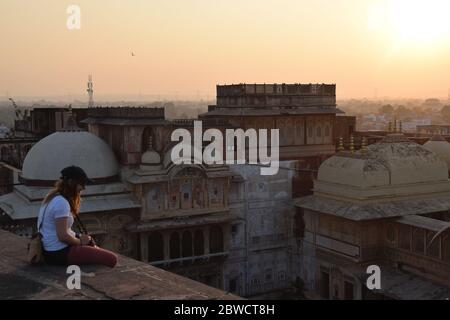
x,y
129,280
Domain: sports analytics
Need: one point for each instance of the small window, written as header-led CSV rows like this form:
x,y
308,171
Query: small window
x,y
186,196
310,132
405,237
299,129
390,233
324,285
232,285
446,249
327,131
216,191
419,241
268,275
348,290
433,248
319,132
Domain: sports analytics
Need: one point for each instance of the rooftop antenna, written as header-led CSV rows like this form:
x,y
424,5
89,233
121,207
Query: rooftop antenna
x,y
17,111
90,91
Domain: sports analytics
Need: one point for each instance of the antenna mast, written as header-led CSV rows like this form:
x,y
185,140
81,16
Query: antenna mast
x,y
90,91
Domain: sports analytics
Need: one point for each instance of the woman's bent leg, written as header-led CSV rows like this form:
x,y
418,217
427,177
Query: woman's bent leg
x,y
79,255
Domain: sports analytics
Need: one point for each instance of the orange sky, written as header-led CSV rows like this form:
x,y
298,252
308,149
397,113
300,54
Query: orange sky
x,y
186,47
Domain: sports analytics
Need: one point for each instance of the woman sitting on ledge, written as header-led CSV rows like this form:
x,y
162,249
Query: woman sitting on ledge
x,y
62,246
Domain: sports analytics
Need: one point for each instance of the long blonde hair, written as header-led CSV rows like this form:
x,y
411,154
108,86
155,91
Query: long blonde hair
x,y
68,189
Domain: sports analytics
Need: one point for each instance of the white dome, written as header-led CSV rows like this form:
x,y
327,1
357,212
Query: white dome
x,y
49,156
440,147
352,171
151,157
150,161
393,161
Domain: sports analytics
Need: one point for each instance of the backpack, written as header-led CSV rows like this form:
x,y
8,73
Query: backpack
x,y
35,247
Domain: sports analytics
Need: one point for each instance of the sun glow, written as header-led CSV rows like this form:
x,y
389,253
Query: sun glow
x,y
420,20
414,22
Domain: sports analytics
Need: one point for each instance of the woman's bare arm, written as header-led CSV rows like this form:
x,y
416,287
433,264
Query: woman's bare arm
x,y
62,231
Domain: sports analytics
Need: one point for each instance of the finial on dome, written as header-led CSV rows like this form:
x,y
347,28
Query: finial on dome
x,y
352,144
341,144
70,124
437,137
363,145
150,143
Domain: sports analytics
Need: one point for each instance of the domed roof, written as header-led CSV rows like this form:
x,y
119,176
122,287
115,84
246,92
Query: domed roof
x,y
150,161
440,147
353,170
50,155
151,157
393,161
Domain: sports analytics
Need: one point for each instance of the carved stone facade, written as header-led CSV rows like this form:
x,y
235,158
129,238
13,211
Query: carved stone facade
x,y
399,222
226,226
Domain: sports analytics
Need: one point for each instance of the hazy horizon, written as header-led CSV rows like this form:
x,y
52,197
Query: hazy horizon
x,y
374,49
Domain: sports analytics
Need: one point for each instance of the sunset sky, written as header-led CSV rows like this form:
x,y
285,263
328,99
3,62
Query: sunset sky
x,y
398,48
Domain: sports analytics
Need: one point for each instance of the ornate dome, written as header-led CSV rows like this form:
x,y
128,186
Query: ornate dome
x,y
50,155
440,147
394,163
150,159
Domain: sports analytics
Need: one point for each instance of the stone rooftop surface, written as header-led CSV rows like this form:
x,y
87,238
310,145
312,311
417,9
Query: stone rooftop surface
x,y
130,279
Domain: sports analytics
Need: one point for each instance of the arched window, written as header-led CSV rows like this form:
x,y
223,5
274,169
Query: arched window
x,y
404,237
310,131
299,224
433,248
215,239
446,249
419,241
327,131
155,247
174,245
391,233
299,129
186,244
198,243
319,132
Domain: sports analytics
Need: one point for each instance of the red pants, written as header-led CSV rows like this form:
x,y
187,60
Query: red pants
x,y
79,255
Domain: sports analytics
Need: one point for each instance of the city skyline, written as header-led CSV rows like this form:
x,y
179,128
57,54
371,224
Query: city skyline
x,y
370,48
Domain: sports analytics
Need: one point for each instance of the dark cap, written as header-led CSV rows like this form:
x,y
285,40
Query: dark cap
x,y
75,173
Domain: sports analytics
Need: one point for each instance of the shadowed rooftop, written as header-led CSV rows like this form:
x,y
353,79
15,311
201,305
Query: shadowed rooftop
x,y
130,279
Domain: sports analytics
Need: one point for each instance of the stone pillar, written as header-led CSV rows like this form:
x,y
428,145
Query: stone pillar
x,y
144,246
226,229
206,239
166,241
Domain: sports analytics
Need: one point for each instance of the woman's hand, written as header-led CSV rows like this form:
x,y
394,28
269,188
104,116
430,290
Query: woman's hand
x,y
85,239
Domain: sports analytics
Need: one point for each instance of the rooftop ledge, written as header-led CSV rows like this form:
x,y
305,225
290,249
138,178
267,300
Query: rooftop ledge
x,y
129,280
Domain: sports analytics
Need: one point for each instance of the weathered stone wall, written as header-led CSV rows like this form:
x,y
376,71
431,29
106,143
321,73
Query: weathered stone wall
x,y
261,243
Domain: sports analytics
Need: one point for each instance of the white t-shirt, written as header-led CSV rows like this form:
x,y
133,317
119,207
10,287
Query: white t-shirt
x,y
58,207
